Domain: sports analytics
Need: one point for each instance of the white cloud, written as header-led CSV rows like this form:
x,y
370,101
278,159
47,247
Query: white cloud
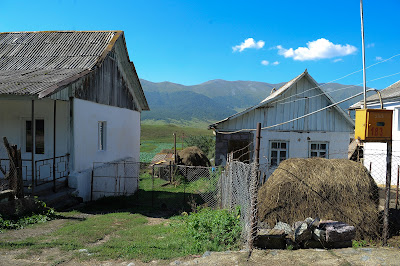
x,y
249,43
275,63
319,49
378,58
265,62
370,45
338,60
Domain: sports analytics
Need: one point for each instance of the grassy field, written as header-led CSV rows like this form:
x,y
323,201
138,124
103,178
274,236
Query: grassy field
x,y
125,228
155,138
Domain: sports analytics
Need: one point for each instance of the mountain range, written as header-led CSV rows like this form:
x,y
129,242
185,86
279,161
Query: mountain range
x,y
217,99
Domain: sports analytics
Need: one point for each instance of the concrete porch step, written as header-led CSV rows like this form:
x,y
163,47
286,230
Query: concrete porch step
x,y
61,200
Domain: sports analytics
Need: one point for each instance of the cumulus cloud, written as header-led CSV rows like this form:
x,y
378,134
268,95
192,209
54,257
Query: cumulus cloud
x,y
247,44
319,49
338,60
378,58
370,45
264,62
275,63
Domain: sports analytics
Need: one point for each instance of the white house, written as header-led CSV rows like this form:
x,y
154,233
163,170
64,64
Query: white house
x,y
374,153
83,93
323,134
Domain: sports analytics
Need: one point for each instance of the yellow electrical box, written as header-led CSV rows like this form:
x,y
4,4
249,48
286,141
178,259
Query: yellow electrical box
x,y
373,125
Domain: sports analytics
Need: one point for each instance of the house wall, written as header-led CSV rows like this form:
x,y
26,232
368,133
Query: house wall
x,y
122,139
307,98
13,114
299,145
375,152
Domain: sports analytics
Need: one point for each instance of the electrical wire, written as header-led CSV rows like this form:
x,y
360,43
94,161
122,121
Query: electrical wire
x,y
380,62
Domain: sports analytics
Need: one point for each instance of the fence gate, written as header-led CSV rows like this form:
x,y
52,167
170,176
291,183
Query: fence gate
x,y
114,179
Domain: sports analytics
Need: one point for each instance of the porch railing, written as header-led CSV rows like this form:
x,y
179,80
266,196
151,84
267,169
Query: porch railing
x,y
43,170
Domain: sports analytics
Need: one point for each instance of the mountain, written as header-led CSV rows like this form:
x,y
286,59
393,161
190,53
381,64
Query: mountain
x,y
217,99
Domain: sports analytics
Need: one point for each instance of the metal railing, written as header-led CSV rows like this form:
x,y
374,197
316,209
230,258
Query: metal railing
x,y
43,170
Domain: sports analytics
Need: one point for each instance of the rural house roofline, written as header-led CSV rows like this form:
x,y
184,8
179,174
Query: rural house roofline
x,y
41,63
275,95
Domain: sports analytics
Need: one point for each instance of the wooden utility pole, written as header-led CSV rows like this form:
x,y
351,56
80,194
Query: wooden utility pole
x,y
258,137
385,233
175,155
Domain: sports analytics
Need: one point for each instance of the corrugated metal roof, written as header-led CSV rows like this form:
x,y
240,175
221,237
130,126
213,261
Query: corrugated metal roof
x,y
31,62
393,91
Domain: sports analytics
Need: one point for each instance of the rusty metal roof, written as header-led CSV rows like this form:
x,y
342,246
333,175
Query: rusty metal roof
x,y
31,62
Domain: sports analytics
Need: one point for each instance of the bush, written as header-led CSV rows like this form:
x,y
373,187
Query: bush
x,y
214,230
205,143
41,214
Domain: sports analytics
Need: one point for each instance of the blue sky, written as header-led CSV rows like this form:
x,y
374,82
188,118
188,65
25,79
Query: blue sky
x,y
190,42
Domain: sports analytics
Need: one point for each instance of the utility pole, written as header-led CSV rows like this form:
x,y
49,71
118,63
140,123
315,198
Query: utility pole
x,y
363,55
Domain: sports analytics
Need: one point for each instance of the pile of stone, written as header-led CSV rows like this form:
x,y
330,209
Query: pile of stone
x,y
310,233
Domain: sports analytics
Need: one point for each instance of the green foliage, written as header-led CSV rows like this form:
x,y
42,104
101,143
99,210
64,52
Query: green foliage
x,y
214,230
359,244
204,143
45,214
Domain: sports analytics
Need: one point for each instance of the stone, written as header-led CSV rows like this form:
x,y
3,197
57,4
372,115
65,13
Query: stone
x,y
339,232
206,254
284,226
319,235
302,233
270,239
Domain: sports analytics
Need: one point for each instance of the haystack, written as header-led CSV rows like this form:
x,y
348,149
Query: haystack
x,y
335,189
192,156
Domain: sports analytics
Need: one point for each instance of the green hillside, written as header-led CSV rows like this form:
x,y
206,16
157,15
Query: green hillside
x,y
214,100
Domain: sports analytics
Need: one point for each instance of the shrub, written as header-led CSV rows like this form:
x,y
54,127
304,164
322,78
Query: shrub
x,y
214,230
41,214
205,143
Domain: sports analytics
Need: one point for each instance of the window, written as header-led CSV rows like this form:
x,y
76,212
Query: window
x,y
318,149
102,128
397,113
278,152
39,136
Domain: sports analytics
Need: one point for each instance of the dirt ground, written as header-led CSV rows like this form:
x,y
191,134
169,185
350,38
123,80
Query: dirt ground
x,y
347,256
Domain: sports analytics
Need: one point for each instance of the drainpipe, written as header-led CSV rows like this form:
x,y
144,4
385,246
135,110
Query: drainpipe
x,y
33,139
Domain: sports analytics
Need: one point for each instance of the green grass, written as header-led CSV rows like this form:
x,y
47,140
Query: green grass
x,y
117,227
155,138
163,133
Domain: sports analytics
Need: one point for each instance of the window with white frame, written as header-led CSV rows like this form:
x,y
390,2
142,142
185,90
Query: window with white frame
x,y
102,131
318,149
278,152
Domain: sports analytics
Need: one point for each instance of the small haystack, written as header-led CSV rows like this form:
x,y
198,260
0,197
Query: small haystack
x,y
335,189
193,156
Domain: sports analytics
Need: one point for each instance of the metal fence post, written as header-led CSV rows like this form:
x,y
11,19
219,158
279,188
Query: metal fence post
x,y
152,189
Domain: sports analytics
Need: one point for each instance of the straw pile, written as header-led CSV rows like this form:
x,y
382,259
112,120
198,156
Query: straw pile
x,y
335,189
193,156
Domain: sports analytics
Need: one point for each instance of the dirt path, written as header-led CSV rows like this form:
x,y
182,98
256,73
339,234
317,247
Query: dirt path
x,y
348,256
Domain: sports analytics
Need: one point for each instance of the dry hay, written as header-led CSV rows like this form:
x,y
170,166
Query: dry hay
x,y
336,189
193,156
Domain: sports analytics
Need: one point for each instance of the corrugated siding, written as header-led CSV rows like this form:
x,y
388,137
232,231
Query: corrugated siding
x,y
283,110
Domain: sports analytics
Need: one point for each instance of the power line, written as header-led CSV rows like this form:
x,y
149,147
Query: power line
x,y
300,117
380,62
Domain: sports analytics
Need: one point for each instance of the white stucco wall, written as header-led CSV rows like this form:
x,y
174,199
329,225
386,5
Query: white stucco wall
x,y
122,139
15,111
375,152
338,143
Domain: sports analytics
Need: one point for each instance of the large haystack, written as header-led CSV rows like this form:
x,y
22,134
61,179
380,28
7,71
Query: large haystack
x,y
336,189
193,156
